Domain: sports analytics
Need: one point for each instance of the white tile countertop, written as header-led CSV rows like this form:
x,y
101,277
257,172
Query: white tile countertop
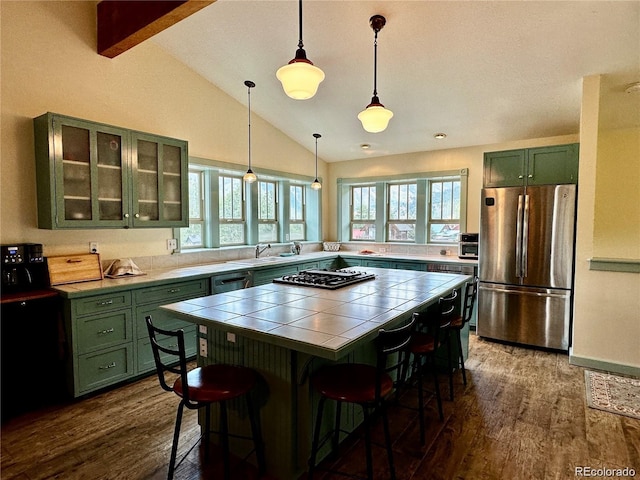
x,y
165,275
324,323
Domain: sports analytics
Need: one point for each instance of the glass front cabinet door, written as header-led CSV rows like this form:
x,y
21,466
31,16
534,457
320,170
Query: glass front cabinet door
x,y
91,175
159,166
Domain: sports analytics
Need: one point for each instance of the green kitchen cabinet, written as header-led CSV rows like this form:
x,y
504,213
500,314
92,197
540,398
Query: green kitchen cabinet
x,y
92,175
534,166
262,276
147,301
108,335
377,263
100,333
409,265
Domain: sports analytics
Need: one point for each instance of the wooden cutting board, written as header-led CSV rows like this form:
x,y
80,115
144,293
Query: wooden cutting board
x,y
74,268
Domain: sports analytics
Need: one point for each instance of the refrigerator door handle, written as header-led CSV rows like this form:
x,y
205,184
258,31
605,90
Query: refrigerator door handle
x,y
525,237
519,238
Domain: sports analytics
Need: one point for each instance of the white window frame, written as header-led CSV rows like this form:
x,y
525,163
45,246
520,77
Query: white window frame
x,y
270,215
212,170
422,179
232,220
401,219
370,219
294,207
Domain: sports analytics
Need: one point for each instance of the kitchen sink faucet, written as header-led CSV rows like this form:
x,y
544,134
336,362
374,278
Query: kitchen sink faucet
x,y
261,248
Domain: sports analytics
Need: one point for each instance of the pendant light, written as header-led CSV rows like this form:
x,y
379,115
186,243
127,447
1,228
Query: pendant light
x,y
300,78
316,185
249,177
375,117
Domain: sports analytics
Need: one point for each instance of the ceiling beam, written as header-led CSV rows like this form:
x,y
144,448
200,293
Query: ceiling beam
x,y
124,24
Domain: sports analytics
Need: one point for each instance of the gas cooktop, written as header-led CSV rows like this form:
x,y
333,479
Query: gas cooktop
x,y
329,279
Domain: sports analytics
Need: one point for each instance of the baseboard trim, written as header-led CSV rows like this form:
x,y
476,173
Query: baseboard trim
x,y
609,367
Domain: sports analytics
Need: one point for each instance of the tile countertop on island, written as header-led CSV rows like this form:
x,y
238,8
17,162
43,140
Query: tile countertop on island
x,y
324,323
161,276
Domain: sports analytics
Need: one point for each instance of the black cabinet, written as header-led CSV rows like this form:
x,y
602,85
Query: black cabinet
x,y
33,353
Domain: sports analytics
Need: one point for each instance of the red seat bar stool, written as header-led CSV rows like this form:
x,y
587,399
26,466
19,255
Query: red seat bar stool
x,y
201,387
365,385
431,332
457,325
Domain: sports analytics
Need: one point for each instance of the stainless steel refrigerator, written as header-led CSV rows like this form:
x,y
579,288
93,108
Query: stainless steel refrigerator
x,y
526,264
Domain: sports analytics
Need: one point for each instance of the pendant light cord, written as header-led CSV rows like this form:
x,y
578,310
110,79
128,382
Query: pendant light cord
x,y
300,44
249,97
375,64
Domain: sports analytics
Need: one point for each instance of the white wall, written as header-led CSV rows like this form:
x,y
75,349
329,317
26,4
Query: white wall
x,y
49,63
437,160
606,320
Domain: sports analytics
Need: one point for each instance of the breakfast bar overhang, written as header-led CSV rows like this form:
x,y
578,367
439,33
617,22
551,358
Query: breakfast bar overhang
x,y
287,332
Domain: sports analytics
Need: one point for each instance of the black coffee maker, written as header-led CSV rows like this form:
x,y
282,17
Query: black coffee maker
x,y
23,267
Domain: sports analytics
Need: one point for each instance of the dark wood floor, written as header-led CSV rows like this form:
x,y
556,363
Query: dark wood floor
x,y
522,416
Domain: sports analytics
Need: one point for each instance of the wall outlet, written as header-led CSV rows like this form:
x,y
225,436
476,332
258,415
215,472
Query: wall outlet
x,y
93,247
172,244
231,337
202,350
383,249
202,329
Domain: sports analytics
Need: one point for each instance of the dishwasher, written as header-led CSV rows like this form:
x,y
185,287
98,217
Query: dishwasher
x,y
229,282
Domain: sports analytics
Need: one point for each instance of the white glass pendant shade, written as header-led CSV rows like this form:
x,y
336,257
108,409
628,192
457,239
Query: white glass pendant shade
x,y
375,118
249,177
316,185
300,79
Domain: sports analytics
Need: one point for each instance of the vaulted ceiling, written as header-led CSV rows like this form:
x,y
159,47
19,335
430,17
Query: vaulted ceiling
x,y
480,71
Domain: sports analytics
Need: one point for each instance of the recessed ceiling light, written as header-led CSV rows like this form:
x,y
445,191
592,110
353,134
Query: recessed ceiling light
x,y
633,88
365,146
439,136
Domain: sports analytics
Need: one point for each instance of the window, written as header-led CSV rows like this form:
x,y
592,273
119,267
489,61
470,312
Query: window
x,y
231,208
420,208
225,211
193,236
401,223
444,214
267,207
296,213
363,213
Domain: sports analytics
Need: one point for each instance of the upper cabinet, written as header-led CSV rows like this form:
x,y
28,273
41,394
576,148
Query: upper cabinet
x,y
91,175
534,166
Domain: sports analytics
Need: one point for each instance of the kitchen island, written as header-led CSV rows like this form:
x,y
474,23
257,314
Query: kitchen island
x,y
287,332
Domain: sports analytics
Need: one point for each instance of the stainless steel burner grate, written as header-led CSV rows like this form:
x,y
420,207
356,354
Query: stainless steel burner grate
x,y
328,279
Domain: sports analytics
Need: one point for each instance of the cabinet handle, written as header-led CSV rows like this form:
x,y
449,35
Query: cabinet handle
x,y
126,215
137,215
173,290
520,176
173,345
107,367
104,332
530,176
106,302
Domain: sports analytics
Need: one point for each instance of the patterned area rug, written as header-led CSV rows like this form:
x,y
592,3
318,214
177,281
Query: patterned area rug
x,y
612,393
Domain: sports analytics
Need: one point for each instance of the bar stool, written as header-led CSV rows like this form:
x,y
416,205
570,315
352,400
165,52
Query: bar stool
x,y
458,322
200,387
431,332
365,385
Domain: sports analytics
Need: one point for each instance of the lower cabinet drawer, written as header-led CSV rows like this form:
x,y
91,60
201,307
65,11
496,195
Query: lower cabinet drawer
x,y
146,362
102,331
103,368
160,319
